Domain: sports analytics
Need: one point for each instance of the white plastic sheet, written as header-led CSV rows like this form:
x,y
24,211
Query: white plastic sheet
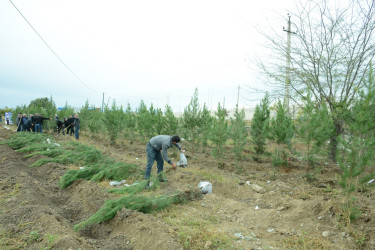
x,y
205,186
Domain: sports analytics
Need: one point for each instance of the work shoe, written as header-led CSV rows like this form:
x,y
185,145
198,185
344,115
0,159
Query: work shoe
x,y
148,186
161,179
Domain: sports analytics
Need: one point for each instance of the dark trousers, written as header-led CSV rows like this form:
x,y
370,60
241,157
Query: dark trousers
x,y
70,130
153,155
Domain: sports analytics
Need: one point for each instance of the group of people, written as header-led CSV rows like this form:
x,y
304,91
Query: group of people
x,y
71,125
34,123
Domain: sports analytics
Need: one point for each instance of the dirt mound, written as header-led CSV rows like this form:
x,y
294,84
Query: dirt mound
x,y
36,214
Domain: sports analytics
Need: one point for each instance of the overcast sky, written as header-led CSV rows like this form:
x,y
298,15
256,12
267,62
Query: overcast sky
x,y
158,51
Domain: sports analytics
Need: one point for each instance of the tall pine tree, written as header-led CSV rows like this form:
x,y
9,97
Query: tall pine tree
x,y
238,133
219,132
281,132
260,126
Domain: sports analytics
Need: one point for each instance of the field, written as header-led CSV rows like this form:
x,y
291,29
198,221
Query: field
x,y
247,209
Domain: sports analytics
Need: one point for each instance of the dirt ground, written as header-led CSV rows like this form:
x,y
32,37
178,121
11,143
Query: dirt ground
x,y
245,211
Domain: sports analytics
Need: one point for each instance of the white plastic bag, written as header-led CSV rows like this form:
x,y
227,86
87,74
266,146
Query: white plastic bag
x,y
205,186
116,183
183,161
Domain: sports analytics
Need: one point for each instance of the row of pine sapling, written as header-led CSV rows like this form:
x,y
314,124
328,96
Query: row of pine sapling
x,y
270,127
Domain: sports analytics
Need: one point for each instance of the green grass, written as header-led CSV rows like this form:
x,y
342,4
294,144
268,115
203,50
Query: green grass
x,y
108,169
141,203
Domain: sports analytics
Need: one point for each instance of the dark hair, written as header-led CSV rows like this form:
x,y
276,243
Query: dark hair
x,y
176,139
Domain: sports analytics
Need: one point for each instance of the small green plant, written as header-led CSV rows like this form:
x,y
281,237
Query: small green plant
x,y
350,211
360,238
304,241
51,238
34,236
310,178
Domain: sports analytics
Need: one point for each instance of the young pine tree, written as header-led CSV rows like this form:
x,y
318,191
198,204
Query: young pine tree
x,y
113,122
143,121
205,127
260,126
130,124
219,132
357,147
190,121
281,132
95,123
171,122
238,133
159,122
315,127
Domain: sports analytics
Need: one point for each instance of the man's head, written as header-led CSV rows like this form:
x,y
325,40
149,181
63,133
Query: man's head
x,y
175,139
76,115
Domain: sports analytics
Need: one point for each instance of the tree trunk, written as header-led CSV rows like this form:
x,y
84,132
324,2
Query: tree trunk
x,y
334,139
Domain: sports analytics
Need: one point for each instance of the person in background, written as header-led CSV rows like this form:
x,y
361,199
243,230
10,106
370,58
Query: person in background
x,y
1,118
60,126
18,122
77,124
39,120
28,123
66,126
23,121
32,123
70,130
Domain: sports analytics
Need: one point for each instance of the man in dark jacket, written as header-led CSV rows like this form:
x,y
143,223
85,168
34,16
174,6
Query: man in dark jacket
x,y
23,121
66,125
70,130
77,124
38,121
28,123
18,122
60,126
156,150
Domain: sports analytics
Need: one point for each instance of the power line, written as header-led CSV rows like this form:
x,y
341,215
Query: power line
x,y
49,47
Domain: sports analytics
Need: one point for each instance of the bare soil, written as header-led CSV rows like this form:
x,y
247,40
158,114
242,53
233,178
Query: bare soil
x,y
285,213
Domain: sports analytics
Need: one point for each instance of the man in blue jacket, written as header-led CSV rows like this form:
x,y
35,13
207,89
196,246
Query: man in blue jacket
x,y
156,150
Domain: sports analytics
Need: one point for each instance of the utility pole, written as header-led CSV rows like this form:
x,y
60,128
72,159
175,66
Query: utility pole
x,y
103,103
287,73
